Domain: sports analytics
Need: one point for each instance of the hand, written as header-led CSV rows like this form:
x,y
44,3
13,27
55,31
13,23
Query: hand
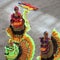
x,y
42,49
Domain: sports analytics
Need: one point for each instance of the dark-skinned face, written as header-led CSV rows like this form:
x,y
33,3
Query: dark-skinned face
x,y
16,11
46,35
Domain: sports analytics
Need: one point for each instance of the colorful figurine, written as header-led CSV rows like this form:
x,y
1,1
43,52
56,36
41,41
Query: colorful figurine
x,y
50,47
17,31
17,23
46,47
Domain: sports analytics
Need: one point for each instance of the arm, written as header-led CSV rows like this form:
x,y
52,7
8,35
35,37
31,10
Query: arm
x,y
25,15
26,20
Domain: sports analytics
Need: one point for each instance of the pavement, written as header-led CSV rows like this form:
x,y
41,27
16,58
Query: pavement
x,y
45,19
